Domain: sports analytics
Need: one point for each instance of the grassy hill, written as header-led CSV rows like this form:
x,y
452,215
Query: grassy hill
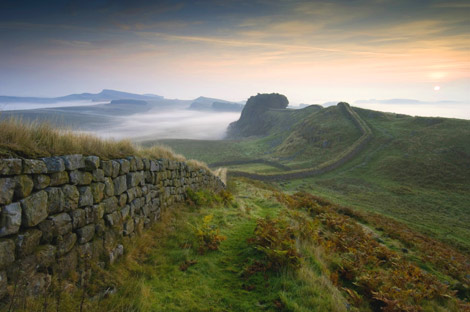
x,y
297,138
263,250
386,229
414,169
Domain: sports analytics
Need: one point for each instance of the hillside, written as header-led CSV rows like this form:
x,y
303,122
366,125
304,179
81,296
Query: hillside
x,y
254,245
262,250
104,95
414,169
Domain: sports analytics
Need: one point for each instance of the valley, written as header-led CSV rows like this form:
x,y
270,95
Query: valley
x,y
414,169
325,209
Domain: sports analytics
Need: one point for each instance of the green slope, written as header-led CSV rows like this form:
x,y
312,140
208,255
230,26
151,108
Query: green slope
x,y
414,169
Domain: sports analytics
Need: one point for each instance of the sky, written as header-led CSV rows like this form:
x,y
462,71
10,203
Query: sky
x,y
311,51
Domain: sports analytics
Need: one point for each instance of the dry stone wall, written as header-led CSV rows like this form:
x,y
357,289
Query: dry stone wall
x,y
56,211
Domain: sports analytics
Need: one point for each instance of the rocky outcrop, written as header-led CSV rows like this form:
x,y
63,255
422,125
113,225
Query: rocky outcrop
x,y
56,210
254,121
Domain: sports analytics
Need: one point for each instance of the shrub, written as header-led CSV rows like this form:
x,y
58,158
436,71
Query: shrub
x,y
208,235
275,238
208,198
367,270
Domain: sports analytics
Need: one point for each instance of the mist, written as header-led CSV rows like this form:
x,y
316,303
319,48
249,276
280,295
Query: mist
x,y
459,110
31,105
170,124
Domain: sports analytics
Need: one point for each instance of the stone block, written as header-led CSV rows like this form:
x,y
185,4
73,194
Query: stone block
x,y
46,227
34,209
98,175
80,177
154,166
71,197
128,226
7,252
110,204
133,179
107,167
92,163
86,233
137,203
46,255
122,200
41,181
149,176
146,164
78,218
98,212
131,194
56,200
125,212
132,164
61,224
54,164
108,187
10,220
125,166
113,219
27,241
116,167
100,228
7,189
3,284
120,184
33,166
11,166
86,197
97,190
74,162
59,178
65,243
139,163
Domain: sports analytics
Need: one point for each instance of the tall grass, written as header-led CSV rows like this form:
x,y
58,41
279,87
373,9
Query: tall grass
x,y
19,138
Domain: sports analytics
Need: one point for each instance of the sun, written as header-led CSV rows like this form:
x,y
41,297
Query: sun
x,y
437,88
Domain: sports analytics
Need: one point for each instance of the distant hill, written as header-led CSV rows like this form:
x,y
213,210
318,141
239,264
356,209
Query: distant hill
x,y
105,95
127,101
414,169
211,104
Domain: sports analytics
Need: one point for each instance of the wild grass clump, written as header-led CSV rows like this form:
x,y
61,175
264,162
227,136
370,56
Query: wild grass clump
x,y
275,238
19,138
162,151
208,235
208,198
368,271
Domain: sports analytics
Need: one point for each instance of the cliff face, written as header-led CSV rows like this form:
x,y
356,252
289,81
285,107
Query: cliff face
x,y
57,211
253,120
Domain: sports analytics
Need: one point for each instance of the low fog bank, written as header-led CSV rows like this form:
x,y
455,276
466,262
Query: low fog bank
x,y
170,124
30,105
459,110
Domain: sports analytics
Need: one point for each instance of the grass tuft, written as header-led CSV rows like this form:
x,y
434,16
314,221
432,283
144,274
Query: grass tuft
x,y
19,138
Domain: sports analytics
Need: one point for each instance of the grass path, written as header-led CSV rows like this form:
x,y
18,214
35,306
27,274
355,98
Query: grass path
x,y
216,280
